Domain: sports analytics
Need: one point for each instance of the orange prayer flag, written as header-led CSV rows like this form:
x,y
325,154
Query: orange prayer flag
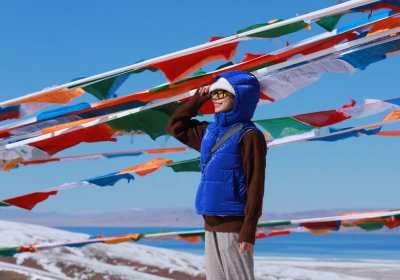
x,y
392,53
122,238
59,96
147,167
65,125
117,239
12,164
369,220
319,231
389,133
272,21
267,135
165,150
135,236
392,115
191,239
359,213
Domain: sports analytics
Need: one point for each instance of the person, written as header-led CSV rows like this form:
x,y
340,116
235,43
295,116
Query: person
x,y
231,190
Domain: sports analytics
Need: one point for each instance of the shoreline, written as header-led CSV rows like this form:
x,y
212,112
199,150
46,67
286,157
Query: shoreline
x,y
271,268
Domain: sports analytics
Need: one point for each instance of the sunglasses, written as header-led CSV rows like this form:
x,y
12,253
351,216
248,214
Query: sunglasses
x,y
219,94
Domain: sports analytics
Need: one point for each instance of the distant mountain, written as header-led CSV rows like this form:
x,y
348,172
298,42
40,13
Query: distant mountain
x,y
164,217
170,217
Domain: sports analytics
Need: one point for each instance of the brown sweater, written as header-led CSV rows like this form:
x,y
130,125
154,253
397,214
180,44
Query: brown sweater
x,y
253,150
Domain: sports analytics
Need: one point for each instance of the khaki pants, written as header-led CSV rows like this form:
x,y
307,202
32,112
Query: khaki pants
x,y
224,260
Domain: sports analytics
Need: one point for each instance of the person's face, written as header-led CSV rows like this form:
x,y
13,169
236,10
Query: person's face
x,y
223,100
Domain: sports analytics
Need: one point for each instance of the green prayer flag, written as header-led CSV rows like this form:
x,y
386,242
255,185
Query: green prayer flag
x,y
329,22
275,32
8,252
189,78
261,66
4,204
191,234
186,165
282,127
371,226
274,224
105,89
140,70
229,63
151,121
199,73
157,88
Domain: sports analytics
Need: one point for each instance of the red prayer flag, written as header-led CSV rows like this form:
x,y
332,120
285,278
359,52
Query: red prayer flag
x,y
331,225
324,118
97,133
179,67
261,234
28,201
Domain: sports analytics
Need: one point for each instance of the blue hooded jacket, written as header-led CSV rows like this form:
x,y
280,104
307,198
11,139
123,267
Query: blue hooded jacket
x,y
222,189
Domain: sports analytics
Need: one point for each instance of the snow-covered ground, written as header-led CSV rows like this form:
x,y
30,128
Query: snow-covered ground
x,y
274,268
120,261
135,261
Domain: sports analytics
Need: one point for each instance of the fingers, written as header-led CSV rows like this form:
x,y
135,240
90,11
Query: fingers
x,y
203,90
245,247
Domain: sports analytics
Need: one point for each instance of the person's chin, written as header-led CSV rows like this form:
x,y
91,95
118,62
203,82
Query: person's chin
x,y
217,109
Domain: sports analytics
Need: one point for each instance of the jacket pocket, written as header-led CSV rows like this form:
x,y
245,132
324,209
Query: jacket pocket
x,y
229,184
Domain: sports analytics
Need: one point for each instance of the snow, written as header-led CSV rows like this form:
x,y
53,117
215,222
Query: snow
x,y
33,274
92,259
327,269
16,234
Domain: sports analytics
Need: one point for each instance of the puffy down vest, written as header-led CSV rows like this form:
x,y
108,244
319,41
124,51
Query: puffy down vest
x,y
222,189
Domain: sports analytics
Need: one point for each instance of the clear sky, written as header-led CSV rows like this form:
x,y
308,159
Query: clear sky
x,y
47,42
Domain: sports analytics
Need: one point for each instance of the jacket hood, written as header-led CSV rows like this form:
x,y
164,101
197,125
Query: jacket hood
x,y
247,95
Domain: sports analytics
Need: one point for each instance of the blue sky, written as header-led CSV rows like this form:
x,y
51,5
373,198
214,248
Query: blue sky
x,y
51,42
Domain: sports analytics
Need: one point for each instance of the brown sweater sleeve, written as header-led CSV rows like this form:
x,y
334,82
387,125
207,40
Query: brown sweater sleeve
x,y
185,129
253,149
